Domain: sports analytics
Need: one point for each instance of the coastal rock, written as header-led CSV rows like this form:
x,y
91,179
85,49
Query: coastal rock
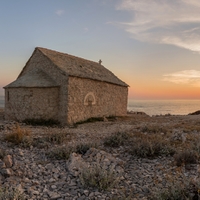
x,y
195,113
179,136
107,161
2,164
76,164
137,113
92,159
8,161
6,172
1,127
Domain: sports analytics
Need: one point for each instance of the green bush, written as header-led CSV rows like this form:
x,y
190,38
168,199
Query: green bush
x,y
116,139
153,129
151,145
186,157
40,143
92,119
83,148
2,153
99,178
10,194
57,138
19,136
60,153
177,190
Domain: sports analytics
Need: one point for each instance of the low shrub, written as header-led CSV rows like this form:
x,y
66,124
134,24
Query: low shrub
x,y
92,119
174,192
19,136
150,146
40,143
10,194
186,157
57,138
177,190
96,177
2,153
123,194
116,139
60,153
154,129
41,122
111,118
195,143
83,148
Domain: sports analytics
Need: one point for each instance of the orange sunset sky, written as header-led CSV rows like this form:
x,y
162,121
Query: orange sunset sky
x,y
153,46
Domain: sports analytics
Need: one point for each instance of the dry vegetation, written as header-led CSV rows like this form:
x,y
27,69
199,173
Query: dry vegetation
x,y
148,138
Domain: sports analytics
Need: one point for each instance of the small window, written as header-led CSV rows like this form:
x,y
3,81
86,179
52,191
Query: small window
x,y
8,96
89,99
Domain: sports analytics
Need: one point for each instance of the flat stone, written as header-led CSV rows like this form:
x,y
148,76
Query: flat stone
x,y
2,164
6,172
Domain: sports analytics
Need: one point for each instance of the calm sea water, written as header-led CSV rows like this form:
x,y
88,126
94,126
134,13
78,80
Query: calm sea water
x,y
1,101
157,107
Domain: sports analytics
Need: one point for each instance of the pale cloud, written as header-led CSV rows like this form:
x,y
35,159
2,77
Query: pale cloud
x,y
174,22
59,12
189,77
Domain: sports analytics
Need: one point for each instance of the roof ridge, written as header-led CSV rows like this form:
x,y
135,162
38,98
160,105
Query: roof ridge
x,y
80,67
65,54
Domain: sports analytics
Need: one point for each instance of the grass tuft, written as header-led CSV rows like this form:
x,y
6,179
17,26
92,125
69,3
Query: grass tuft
x,y
10,194
19,136
186,157
116,139
57,138
151,145
2,153
83,148
154,129
96,177
60,153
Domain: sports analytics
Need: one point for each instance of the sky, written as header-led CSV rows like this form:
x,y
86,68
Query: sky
x,y
152,45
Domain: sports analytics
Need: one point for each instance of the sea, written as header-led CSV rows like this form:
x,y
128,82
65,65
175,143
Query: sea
x,y
156,107
164,107
1,101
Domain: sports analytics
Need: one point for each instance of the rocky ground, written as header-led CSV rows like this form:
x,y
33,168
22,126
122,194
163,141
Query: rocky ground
x,y
100,160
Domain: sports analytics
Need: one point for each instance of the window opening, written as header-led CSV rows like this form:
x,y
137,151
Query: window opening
x,y
8,96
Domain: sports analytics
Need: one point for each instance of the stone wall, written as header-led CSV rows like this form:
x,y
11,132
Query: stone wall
x,y
38,60
88,98
77,99
31,103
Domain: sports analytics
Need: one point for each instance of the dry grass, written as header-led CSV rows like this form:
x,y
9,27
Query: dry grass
x,y
2,153
116,140
19,136
11,194
60,153
151,145
179,187
58,137
82,148
96,177
154,129
186,157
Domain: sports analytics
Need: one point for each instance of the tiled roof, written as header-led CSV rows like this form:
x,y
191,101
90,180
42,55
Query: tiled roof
x,y
79,67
